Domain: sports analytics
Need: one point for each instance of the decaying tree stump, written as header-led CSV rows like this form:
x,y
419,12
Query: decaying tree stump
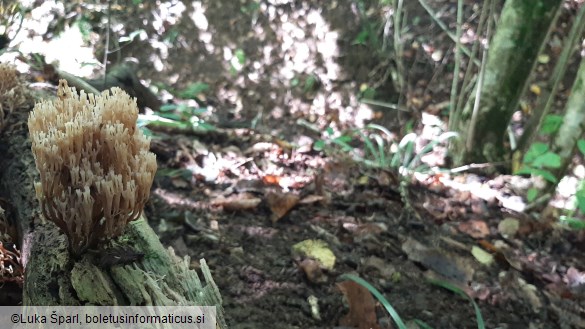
x,y
134,270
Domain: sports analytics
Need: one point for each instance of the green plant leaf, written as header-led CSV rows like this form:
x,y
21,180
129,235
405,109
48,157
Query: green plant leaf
x,y
171,35
84,26
204,126
198,110
408,153
319,145
368,93
409,127
310,83
342,141
531,194
378,160
581,146
551,124
581,203
524,170
254,6
527,170
168,107
403,154
185,110
534,151
574,223
241,56
416,20
193,90
544,174
361,38
548,160
381,150
580,196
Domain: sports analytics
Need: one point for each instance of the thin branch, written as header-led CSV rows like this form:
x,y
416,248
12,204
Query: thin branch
x,y
107,46
475,113
456,70
446,29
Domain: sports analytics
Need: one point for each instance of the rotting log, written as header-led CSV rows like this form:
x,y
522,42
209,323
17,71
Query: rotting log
x,y
123,76
53,277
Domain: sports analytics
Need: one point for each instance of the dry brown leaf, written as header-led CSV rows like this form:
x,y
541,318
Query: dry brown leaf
x,y
451,266
280,204
508,227
312,270
559,289
368,230
387,178
475,228
362,306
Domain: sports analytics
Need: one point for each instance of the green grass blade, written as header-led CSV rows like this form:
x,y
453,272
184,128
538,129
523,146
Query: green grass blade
x,y
380,128
370,147
430,146
421,324
457,290
381,152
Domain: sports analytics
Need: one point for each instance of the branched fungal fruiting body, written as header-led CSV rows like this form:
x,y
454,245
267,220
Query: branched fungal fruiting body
x,y
95,166
12,92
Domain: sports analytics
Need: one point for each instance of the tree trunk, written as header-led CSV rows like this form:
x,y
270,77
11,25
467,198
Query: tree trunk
x,y
573,126
135,270
521,31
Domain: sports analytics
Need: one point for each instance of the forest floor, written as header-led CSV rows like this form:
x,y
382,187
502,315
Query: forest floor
x,y
243,196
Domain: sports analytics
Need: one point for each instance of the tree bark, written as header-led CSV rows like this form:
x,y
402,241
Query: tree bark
x,y
573,126
152,275
522,29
